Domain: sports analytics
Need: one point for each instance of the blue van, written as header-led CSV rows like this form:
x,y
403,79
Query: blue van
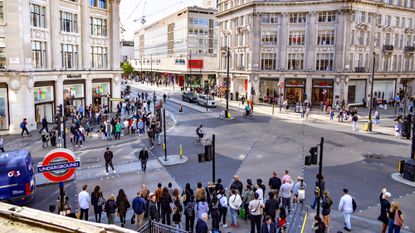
x,y
17,179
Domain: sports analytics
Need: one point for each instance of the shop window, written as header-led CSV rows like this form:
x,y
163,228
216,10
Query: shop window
x,y
4,116
37,16
43,94
2,53
39,54
325,61
296,38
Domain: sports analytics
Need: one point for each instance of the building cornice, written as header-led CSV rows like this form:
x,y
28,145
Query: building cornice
x,y
345,4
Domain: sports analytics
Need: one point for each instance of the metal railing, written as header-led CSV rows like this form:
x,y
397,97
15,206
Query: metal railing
x,y
156,227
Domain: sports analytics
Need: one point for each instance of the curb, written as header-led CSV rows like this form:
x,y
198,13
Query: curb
x,y
398,177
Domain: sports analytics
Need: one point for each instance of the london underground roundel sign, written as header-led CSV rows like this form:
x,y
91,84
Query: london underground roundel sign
x,y
59,165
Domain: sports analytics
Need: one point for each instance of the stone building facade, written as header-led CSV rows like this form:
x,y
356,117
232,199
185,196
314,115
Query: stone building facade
x,y
56,52
317,50
180,48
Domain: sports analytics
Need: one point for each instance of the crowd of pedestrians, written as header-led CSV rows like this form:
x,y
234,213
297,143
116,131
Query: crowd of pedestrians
x,y
266,207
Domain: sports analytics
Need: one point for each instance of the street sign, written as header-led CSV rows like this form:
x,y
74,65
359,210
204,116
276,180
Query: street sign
x,y
59,165
281,84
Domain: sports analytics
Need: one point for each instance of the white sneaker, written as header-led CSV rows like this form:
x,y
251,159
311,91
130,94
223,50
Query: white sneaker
x,y
76,146
106,173
115,172
224,226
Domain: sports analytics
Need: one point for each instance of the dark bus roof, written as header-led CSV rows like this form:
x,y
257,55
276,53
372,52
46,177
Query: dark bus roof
x,y
17,157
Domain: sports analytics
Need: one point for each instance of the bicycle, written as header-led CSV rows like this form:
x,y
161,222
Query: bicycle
x,y
203,140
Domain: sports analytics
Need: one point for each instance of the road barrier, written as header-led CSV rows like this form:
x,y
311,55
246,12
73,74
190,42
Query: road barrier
x,y
155,227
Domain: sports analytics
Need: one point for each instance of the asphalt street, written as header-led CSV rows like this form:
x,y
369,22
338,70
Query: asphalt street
x,y
252,148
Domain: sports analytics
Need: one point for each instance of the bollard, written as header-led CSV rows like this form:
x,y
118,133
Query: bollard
x,y
181,151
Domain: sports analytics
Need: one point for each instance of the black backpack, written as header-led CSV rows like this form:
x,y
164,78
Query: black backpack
x,y
354,204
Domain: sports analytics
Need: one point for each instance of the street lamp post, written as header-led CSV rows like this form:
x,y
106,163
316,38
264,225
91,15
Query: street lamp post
x,y
228,82
189,82
165,134
372,79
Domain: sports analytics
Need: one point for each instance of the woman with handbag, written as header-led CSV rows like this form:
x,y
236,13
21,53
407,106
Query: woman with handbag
x,y
326,206
395,218
123,206
177,209
97,201
165,201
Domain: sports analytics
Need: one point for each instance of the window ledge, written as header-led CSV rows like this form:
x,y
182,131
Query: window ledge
x,y
70,33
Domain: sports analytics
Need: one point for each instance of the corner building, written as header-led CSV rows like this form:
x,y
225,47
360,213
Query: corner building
x,y
317,50
180,48
56,52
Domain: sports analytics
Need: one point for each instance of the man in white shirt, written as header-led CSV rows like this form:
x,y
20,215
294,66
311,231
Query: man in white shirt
x,y
346,206
83,200
285,194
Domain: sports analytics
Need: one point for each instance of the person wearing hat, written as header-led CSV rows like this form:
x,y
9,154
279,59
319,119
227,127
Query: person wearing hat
x,y
346,207
385,206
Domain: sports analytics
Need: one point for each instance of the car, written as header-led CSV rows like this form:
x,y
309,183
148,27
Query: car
x,y
189,96
206,100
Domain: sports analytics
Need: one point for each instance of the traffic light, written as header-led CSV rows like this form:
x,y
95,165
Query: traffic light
x,y
313,155
59,110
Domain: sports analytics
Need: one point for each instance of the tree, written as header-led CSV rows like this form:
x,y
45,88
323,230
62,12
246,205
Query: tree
x,y
127,69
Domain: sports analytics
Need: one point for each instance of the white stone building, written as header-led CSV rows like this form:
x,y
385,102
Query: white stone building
x,y
319,50
56,52
181,47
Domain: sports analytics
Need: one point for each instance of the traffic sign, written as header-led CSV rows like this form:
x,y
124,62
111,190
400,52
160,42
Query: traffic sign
x,y
281,84
62,160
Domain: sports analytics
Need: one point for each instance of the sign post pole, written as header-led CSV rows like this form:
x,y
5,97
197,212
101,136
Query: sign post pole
x,y
62,195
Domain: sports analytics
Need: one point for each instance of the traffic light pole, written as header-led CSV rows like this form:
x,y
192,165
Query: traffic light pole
x,y
165,136
320,175
228,82
372,79
213,160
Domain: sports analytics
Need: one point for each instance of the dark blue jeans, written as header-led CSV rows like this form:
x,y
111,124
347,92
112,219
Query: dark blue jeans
x,y
392,228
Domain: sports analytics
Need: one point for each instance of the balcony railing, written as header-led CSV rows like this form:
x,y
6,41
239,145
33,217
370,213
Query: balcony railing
x,y
387,48
359,69
409,49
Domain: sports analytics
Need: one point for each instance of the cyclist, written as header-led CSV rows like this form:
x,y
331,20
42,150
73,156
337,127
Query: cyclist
x,y
199,132
247,110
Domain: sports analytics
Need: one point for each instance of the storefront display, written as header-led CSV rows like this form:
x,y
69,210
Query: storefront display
x,y
73,95
44,102
322,91
294,90
356,91
4,108
268,89
101,91
384,89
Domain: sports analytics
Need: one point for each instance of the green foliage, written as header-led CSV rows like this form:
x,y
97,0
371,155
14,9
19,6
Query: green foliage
x,y
127,69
